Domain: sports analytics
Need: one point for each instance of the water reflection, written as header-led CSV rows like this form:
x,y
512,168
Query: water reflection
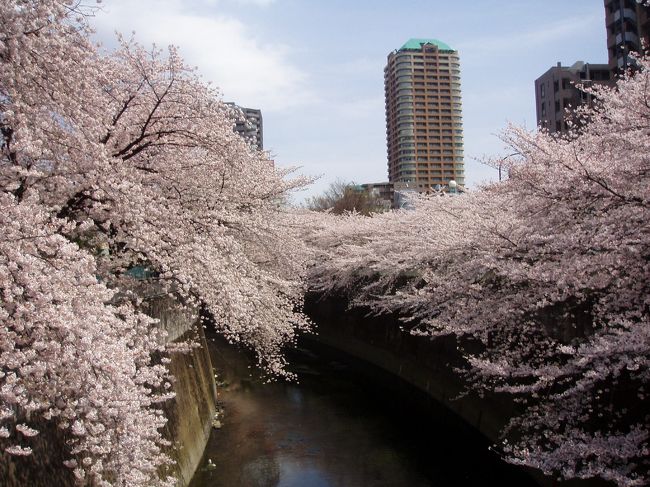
x,y
337,427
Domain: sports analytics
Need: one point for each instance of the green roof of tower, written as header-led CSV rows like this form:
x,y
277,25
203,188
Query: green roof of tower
x,y
417,44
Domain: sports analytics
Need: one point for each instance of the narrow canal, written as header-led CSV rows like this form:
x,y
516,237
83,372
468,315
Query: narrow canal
x,y
343,424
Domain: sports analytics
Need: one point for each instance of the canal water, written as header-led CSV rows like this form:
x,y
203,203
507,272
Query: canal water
x,y
343,424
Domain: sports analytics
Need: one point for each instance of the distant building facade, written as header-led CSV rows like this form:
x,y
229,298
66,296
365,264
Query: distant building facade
x,y
250,125
557,94
628,27
383,192
424,128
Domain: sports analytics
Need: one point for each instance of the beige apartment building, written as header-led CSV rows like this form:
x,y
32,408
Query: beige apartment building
x,y
424,127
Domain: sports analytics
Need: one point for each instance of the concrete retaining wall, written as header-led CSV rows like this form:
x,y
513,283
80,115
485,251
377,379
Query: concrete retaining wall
x,y
189,414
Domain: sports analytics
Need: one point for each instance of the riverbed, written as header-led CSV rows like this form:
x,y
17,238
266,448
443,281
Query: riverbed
x,y
341,424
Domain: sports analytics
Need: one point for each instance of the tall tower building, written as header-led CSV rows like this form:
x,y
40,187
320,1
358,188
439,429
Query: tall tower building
x,y
249,125
424,129
628,27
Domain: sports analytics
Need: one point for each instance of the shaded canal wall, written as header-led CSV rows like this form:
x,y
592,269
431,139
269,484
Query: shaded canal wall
x,y
189,414
424,363
427,364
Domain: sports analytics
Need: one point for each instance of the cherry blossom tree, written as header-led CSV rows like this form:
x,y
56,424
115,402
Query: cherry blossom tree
x,y
111,162
548,269
70,356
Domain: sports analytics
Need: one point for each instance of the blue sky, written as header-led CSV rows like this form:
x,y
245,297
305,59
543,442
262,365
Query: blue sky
x,y
315,68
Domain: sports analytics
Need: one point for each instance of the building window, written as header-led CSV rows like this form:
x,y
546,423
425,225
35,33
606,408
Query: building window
x,y
542,91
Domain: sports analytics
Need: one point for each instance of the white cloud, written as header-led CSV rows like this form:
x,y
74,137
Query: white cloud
x,y
248,70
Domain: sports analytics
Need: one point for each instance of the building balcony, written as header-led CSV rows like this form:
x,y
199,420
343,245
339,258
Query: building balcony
x,y
406,167
621,62
627,37
626,13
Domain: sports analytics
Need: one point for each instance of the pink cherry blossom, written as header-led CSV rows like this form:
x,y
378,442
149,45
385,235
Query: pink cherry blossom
x,y
111,161
549,270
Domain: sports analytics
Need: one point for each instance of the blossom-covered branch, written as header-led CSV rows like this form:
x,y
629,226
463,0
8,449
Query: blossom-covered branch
x,y
111,162
548,269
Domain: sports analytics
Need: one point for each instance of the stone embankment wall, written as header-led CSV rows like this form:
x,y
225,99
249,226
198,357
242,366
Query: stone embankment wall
x,y
189,414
